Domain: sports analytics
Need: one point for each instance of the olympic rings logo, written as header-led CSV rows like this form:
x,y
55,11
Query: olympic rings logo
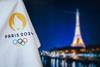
x,y
20,41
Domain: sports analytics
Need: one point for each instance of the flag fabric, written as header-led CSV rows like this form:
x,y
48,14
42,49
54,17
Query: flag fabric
x,y
18,40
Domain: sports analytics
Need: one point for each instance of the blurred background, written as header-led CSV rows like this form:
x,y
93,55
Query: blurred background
x,y
54,21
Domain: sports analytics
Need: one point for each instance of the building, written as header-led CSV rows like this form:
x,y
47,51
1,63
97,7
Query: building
x,y
77,41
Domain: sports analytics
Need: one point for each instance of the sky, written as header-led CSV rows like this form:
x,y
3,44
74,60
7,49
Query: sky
x,y
54,21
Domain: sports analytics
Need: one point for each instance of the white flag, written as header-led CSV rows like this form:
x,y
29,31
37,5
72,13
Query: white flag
x,y
18,40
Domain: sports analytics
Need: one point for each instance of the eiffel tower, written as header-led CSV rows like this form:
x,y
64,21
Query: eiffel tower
x,y
77,41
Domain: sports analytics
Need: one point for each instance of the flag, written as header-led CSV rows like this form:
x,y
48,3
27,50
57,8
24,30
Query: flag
x,y
19,42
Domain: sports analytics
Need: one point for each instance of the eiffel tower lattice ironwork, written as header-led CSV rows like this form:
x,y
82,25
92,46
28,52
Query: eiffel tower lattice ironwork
x,y
77,41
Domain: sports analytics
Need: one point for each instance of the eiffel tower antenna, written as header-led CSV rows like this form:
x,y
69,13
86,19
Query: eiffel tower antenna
x,y
77,41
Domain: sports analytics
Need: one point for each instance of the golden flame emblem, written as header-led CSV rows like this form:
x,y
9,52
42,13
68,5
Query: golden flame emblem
x,y
17,21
